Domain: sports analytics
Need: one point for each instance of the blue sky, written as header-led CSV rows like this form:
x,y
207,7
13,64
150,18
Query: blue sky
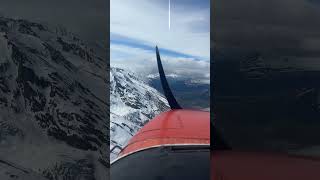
x,y
138,26
117,39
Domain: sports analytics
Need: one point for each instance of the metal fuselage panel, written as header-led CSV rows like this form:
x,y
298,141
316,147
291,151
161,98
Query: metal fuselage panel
x,y
164,163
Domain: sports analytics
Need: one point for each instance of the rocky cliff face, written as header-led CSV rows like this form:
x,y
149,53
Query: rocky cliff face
x,y
53,101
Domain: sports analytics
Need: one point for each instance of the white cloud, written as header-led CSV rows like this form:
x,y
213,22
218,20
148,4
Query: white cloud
x,y
147,20
143,62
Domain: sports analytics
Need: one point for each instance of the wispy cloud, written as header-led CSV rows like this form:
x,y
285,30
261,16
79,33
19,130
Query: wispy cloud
x,y
144,63
134,43
147,21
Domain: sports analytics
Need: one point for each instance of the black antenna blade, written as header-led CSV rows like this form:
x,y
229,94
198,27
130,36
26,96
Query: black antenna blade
x,y
165,86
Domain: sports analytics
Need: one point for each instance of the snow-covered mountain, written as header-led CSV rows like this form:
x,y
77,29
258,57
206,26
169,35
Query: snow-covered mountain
x,y
132,104
157,76
53,104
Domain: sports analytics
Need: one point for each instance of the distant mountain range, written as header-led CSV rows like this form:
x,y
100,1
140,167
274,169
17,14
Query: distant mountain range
x,y
190,93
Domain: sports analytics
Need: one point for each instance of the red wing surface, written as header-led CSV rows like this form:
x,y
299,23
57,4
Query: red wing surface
x,y
174,145
175,127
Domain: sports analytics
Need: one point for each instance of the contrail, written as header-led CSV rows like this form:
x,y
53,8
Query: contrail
x,y
169,14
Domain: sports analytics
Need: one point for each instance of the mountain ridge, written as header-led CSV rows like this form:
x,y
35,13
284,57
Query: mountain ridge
x,y
52,101
132,104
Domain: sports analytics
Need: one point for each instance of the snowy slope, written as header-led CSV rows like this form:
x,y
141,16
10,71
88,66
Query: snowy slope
x,y
52,101
132,104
